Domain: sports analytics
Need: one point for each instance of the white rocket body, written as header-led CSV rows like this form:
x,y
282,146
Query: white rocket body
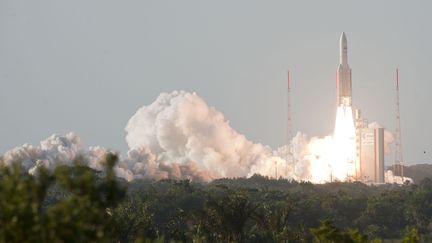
x,y
343,81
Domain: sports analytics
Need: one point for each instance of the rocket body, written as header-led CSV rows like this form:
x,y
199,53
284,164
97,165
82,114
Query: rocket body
x,y
343,80
344,135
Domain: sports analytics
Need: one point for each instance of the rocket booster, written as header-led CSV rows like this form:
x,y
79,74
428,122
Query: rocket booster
x,y
343,80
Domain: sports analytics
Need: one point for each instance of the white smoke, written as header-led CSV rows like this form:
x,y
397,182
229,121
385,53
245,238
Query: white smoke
x,y
55,150
179,136
183,131
391,178
142,163
51,151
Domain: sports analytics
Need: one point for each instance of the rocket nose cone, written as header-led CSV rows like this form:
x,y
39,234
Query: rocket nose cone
x,y
343,38
343,49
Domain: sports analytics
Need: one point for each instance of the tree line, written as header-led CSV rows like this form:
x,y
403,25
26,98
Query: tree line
x,y
77,204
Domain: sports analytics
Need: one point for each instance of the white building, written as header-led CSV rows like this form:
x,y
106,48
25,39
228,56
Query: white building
x,y
370,152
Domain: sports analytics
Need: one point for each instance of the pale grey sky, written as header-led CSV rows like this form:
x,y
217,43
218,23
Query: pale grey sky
x,y
87,66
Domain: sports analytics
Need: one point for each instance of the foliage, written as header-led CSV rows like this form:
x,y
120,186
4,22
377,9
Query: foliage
x,y
412,236
81,216
328,233
78,204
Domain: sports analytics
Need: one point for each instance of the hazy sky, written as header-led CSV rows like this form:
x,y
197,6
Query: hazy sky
x,y
87,66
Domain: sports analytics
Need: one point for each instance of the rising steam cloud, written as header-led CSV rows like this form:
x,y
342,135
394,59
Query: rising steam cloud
x,y
180,128
179,136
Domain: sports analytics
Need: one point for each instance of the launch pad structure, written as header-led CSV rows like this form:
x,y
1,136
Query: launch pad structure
x,y
289,134
369,152
367,162
398,158
369,142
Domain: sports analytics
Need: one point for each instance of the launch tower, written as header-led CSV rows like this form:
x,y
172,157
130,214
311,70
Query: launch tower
x,y
398,159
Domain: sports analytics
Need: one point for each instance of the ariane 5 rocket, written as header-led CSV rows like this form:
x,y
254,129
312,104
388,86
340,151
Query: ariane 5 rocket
x,y
343,80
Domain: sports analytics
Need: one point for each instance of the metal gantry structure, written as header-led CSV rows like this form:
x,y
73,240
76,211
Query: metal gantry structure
x,y
398,157
289,125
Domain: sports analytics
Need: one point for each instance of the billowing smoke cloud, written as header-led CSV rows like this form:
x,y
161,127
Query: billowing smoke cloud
x,y
182,130
142,163
179,136
55,150
390,178
51,151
